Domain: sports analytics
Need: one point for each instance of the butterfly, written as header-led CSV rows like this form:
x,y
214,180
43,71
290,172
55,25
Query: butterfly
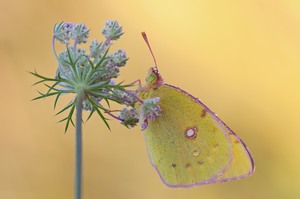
x,y
188,144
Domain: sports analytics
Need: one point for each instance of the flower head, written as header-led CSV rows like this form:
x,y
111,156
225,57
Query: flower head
x,y
88,77
129,117
97,49
62,32
79,33
112,30
119,58
149,111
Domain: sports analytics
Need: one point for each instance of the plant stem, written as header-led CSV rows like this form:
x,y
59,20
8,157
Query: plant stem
x,y
78,148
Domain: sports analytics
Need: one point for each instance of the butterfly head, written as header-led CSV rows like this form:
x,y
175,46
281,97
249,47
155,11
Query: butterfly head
x,y
153,78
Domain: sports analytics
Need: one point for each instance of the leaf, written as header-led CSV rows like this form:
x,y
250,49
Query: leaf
x,y
90,115
102,59
96,108
44,95
97,85
69,118
66,107
56,100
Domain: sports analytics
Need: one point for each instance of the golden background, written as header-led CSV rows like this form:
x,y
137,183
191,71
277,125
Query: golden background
x,y
242,58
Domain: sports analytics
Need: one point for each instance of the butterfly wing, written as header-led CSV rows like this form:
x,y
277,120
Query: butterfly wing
x,y
242,163
189,145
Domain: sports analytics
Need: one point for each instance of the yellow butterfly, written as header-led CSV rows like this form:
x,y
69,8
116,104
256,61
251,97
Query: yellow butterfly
x,y
188,144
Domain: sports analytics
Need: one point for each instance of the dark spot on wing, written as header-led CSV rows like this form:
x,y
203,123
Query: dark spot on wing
x,y
173,165
203,113
187,165
214,130
216,145
200,162
236,142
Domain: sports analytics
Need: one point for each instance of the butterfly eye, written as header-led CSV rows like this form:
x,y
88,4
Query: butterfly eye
x,y
152,78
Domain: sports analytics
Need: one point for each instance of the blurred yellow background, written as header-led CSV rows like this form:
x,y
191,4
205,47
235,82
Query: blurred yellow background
x,y
242,58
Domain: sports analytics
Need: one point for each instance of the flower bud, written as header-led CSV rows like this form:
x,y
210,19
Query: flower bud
x,y
119,58
129,116
112,30
149,111
62,32
80,33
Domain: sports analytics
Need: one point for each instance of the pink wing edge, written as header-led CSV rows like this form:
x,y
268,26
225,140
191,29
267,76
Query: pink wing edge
x,y
213,179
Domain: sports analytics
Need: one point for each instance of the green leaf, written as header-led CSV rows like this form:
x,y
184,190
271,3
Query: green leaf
x,y
69,118
42,77
44,95
96,108
61,90
102,59
108,104
97,85
56,100
52,87
57,27
90,115
72,103
103,96
72,64
103,118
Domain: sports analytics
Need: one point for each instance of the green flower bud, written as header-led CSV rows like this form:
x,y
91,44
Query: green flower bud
x,y
129,117
112,30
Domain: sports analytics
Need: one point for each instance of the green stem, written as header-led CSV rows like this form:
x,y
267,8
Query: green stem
x,y
78,148
53,48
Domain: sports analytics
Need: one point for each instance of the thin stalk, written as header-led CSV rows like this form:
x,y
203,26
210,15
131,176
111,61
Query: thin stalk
x,y
134,96
112,115
75,44
53,48
78,149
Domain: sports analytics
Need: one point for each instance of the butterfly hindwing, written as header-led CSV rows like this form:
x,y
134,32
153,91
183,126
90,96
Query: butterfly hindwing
x,y
242,163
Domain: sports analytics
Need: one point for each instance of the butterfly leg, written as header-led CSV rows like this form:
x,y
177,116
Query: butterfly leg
x,y
140,87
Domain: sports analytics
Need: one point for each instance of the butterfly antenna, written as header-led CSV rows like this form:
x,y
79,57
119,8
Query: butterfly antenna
x,y
148,44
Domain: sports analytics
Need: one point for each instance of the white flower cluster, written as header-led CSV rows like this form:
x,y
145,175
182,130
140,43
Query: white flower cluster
x,y
107,65
112,30
149,111
89,76
89,71
64,31
129,117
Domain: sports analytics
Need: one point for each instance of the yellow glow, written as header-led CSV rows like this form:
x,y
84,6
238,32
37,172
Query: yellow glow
x,y
241,58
